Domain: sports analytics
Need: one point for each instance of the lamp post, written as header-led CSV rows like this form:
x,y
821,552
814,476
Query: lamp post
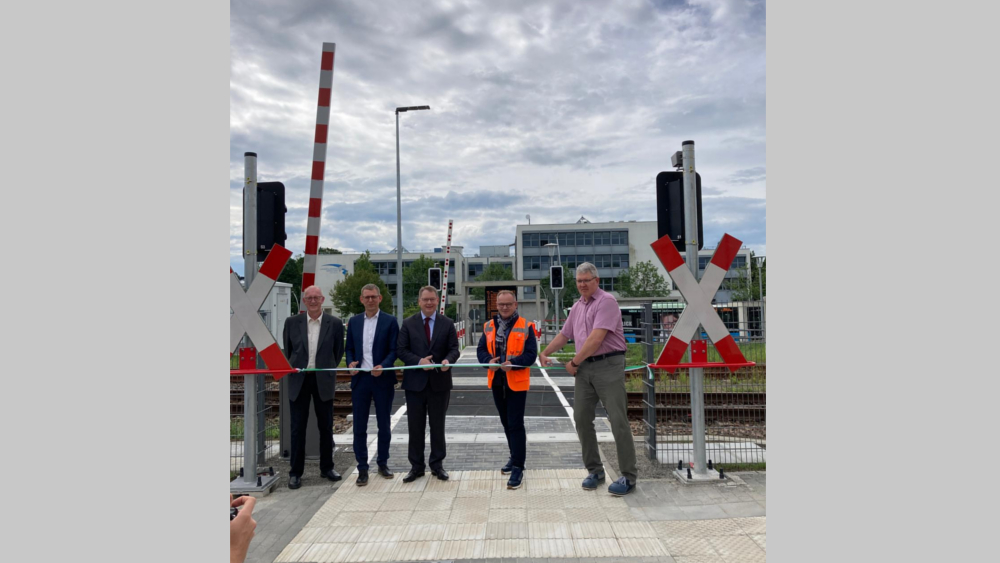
x,y
399,223
555,292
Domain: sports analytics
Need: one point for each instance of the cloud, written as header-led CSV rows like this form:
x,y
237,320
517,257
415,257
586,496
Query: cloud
x,y
557,109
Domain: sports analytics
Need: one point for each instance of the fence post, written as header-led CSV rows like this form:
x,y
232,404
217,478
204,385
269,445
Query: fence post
x,y
650,380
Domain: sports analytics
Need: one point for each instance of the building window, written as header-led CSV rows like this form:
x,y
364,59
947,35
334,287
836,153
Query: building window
x,y
580,259
532,263
530,239
569,260
739,262
603,261
619,237
529,292
584,239
567,239
619,261
703,262
475,270
385,268
602,238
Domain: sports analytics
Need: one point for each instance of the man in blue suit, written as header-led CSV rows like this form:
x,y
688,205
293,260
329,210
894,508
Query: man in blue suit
x,y
371,347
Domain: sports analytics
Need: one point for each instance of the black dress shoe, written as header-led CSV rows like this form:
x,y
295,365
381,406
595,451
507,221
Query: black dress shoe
x,y
412,476
362,477
440,474
294,482
385,472
330,474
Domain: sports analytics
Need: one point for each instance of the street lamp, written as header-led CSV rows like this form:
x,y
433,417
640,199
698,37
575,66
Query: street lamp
x,y
555,292
399,223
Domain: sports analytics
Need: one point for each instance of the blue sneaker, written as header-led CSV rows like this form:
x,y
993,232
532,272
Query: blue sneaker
x,y
621,487
516,474
592,480
505,470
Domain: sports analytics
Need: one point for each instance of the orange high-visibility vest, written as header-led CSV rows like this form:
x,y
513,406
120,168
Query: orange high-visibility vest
x,y
517,379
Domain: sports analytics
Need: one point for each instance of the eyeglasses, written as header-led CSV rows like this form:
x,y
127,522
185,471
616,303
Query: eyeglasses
x,y
506,304
369,297
312,298
578,280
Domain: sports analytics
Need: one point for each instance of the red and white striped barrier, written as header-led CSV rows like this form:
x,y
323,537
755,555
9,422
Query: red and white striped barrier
x,y
318,166
447,260
245,304
699,308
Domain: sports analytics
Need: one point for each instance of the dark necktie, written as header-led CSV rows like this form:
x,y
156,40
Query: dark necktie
x,y
427,329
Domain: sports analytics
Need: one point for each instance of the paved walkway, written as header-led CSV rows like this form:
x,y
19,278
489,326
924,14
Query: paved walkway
x,y
474,517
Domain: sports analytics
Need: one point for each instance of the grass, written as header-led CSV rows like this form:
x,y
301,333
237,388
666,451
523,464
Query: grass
x,y
755,466
271,432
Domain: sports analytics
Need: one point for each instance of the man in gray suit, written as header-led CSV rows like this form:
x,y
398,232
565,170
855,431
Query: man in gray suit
x,y
314,340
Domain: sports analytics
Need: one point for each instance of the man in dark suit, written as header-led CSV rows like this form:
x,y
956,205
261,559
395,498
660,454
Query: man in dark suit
x,y
314,340
371,347
427,338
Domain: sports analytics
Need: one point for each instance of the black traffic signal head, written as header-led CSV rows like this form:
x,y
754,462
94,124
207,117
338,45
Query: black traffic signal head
x,y
556,277
270,217
670,208
434,278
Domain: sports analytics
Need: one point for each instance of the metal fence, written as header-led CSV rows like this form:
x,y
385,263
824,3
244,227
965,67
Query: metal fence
x,y
735,402
268,427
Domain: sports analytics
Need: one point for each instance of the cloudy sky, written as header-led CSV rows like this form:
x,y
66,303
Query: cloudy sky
x,y
555,109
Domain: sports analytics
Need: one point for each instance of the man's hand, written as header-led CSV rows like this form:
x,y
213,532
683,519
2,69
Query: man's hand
x,y
241,528
495,360
426,361
446,365
353,365
545,361
377,370
507,366
571,369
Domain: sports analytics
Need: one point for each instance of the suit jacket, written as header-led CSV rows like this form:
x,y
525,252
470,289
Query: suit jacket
x,y
412,347
383,346
329,351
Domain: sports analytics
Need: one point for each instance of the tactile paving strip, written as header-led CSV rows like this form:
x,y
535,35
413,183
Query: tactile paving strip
x,y
733,547
505,549
641,547
599,547
591,530
391,518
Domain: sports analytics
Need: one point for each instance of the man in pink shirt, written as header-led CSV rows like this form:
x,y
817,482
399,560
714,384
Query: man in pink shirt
x,y
595,326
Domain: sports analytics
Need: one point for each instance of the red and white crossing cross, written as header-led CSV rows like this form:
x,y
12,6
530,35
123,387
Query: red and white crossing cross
x,y
699,308
245,304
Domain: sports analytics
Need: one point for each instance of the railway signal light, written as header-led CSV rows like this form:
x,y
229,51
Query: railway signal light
x,y
270,217
555,277
670,208
434,278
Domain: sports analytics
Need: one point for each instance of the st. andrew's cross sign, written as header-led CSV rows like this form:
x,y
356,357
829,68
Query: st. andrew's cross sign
x,y
699,310
246,319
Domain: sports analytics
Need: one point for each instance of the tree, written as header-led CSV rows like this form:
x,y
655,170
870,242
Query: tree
x,y
496,271
324,250
749,289
642,280
346,293
415,277
293,274
567,295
